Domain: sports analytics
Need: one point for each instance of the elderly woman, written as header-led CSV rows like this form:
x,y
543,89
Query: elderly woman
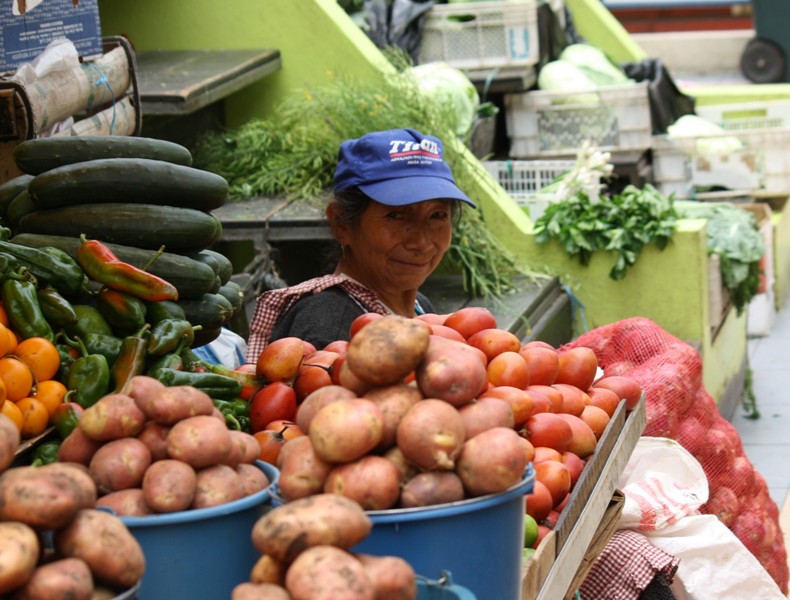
x,y
392,214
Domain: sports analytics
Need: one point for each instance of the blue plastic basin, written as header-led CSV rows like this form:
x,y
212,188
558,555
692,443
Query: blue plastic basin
x,y
201,553
480,540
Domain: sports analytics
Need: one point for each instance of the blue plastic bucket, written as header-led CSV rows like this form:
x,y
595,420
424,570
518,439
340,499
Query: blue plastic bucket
x,y
201,553
480,540
442,589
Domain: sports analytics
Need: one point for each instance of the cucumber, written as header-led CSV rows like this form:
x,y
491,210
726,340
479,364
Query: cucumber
x,y
209,310
43,154
191,278
11,189
19,207
225,266
235,295
129,181
139,225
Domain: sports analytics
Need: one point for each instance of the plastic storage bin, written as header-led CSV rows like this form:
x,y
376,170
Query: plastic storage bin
x,y
202,553
747,115
522,179
481,35
549,124
480,540
683,165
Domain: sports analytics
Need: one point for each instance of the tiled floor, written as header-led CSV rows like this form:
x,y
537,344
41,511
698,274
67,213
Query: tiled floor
x,y
767,440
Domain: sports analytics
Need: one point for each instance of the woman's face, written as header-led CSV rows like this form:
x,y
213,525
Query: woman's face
x,y
395,248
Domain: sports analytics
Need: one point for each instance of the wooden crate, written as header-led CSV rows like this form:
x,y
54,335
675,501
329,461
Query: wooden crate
x,y
572,544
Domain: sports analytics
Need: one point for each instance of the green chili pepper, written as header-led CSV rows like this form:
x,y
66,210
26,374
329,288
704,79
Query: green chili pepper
x,y
56,309
49,264
227,411
45,453
122,311
24,312
66,360
164,309
89,320
8,262
192,362
89,377
171,360
108,345
167,334
65,418
216,386
131,360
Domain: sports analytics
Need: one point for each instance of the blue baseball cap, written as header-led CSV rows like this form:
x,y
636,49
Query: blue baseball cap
x,y
397,167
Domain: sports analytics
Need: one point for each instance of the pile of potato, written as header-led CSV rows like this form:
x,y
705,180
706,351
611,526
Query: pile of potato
x,y
53,542
158,449
305,556
388,442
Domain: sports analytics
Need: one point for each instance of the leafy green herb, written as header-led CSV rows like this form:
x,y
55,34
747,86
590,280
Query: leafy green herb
x,y
294,153
621,223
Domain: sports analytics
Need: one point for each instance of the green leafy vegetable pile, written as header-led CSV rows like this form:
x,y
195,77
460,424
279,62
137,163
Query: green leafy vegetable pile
x,y
621,223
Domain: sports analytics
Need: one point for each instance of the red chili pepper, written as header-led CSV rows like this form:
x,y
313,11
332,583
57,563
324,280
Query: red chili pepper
x,y
102,265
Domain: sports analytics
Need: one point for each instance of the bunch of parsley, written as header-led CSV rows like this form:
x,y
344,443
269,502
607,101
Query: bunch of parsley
x,y
621,223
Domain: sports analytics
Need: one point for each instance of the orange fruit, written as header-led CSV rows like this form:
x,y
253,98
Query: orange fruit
x,y
50,393
35,416
13,338
2,391
11,410
7,343
3,315
17,376
40,355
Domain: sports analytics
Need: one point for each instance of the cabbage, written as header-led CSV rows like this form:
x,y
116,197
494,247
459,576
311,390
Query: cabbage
x,y
709,135
595,64
445,84
562,76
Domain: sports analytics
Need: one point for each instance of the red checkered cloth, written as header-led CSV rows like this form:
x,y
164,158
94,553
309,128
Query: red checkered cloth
x,y
627,565
270,305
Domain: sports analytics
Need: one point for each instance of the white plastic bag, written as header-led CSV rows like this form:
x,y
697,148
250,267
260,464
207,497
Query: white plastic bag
x,y
664,486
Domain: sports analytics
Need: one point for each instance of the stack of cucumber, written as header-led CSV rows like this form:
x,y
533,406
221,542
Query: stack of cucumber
x,y
138,196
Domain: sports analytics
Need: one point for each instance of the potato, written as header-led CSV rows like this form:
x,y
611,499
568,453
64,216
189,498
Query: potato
x,y
19,554
248,447
102,540
485,413
252,479
346,429
201,441
67,578
492,461
126,503
77,475
113,417
431,487
259,591
387,349
169,486
328,573
101,592
120,464
406,469
267,570
215,485
77,447
452,371
175,403
394,401
316,400
154,435
372,481
287,530
392,576
43,498
9,442
431,434
141,387
302,471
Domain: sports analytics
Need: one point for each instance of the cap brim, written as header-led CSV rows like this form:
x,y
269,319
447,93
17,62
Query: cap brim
x,y
409,190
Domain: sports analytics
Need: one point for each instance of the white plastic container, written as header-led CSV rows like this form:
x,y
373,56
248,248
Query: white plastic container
x,y
550,124
480,35
738,116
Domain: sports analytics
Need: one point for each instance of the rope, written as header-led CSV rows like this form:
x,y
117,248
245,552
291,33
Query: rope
x,y
103,80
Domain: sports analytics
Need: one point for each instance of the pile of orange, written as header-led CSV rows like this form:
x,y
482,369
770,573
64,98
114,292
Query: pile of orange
x,y
29,393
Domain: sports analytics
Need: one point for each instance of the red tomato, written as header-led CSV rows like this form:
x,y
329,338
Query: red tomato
x,y
274,401
578,366
539,501
288,429
470,319
360,322
270,442
555,476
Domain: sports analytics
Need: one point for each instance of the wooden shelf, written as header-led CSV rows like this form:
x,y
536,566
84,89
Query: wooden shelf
x,y
179,82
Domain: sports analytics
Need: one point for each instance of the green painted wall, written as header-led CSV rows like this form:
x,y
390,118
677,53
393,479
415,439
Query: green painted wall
x,y
317,39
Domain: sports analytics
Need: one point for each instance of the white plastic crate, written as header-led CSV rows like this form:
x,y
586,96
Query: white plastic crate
x,y
523,180
681,167
542,123
481,35
748,115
